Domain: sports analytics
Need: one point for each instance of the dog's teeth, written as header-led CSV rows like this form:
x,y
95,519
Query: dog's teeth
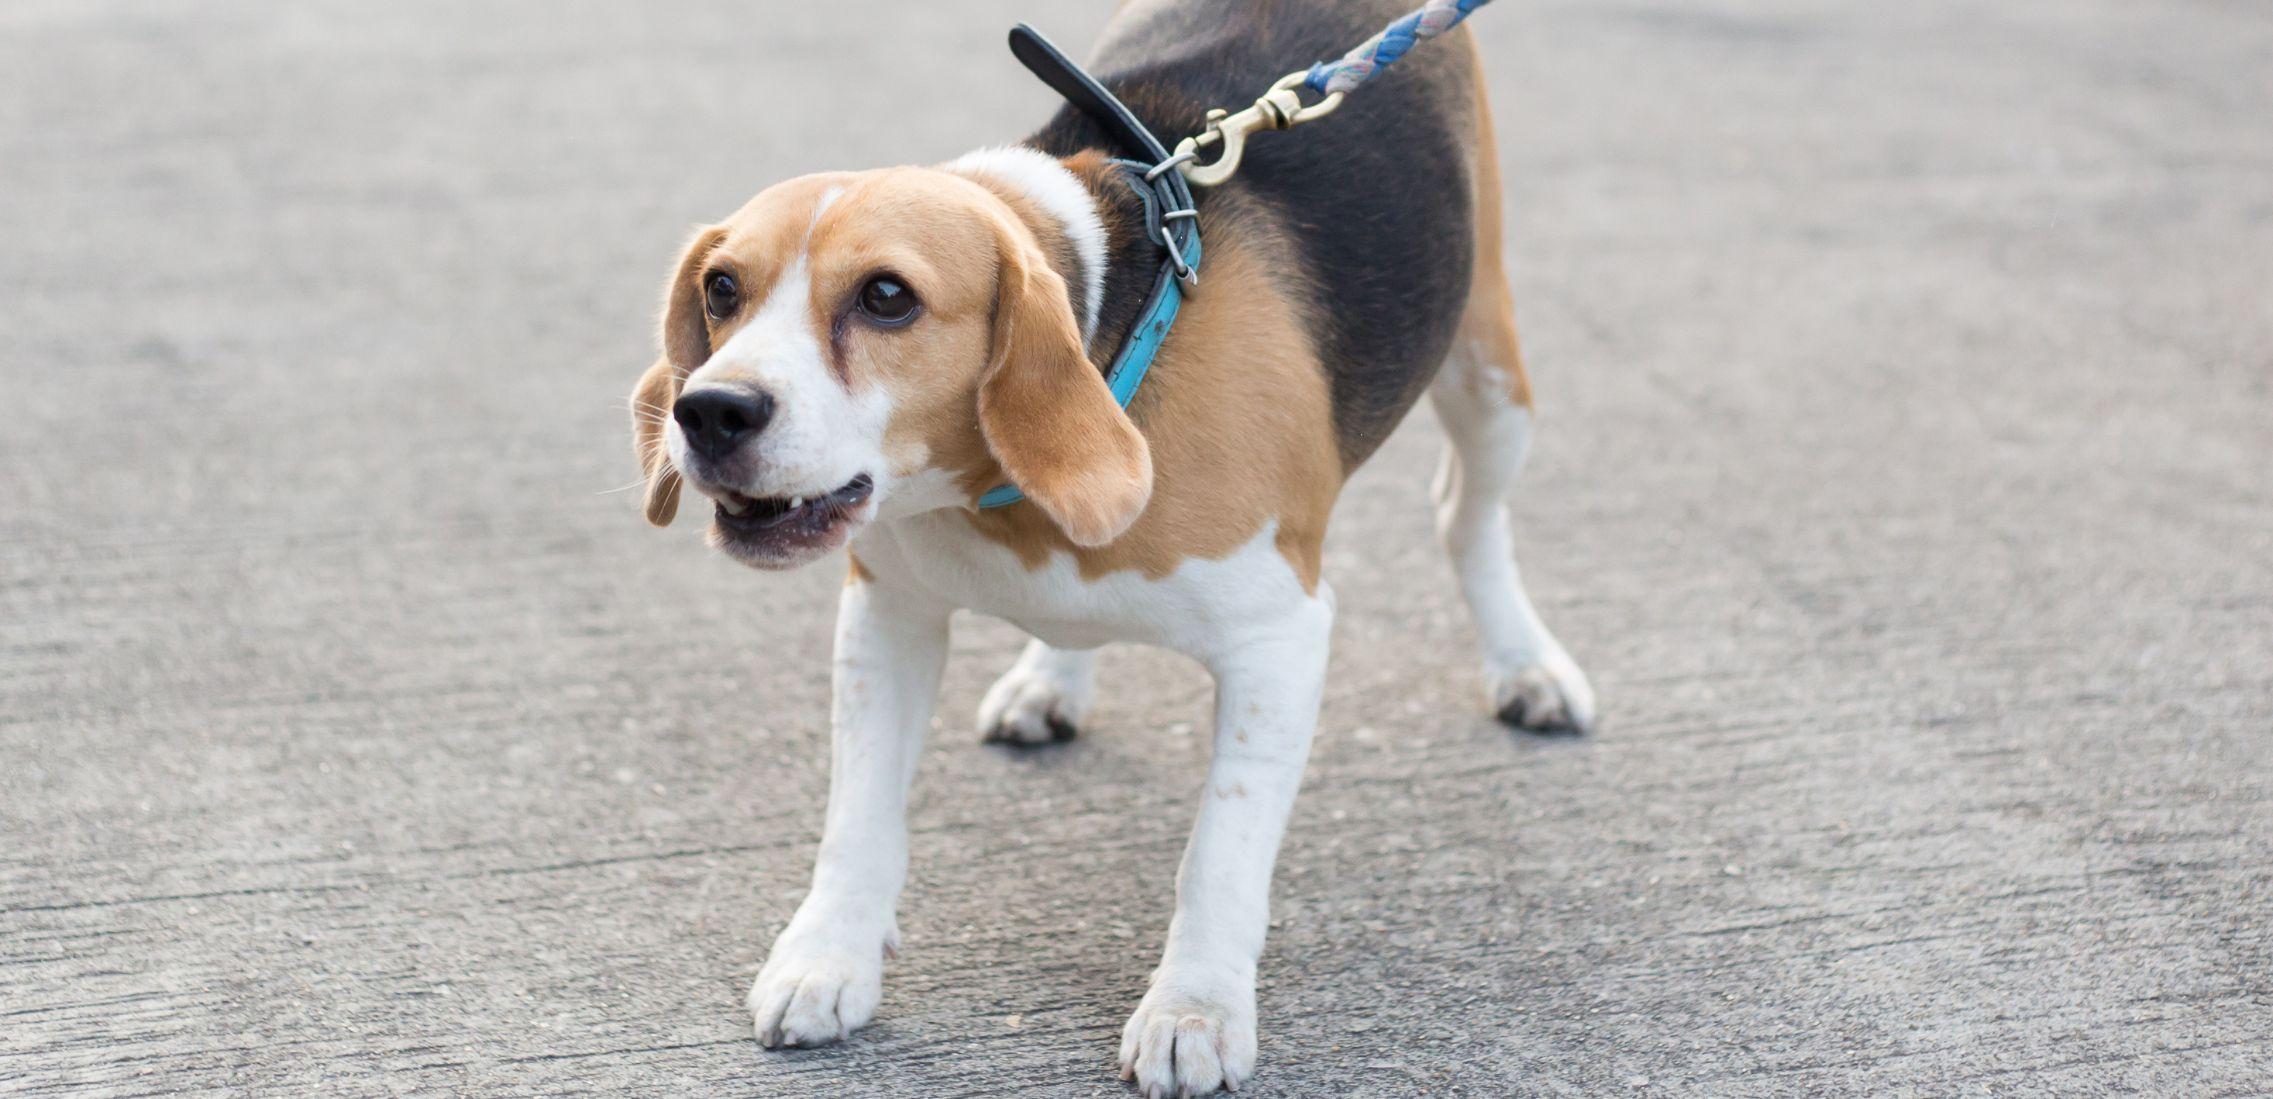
x,y
796,502
736,507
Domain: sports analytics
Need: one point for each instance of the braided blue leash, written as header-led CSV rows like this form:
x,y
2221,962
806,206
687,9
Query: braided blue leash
x,y
1359,65
1282,108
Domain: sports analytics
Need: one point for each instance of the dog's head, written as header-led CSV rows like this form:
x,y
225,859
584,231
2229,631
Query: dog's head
x,y
851,346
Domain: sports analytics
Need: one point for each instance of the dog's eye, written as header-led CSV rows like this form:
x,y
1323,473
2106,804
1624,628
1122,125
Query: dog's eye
x,y
887,301
720,295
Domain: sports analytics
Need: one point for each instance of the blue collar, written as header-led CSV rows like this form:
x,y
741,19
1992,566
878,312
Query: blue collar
x,y
1171,221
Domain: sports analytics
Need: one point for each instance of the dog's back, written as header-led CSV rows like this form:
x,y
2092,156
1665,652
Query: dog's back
x,y
1379,196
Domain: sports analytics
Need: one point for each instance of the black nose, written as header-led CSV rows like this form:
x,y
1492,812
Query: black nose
x,y
717,418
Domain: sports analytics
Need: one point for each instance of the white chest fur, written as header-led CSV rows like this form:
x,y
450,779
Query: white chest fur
x,y
1199,609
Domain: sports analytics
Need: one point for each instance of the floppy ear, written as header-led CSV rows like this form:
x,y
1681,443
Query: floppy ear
x,y
1046,413
686,345
650,408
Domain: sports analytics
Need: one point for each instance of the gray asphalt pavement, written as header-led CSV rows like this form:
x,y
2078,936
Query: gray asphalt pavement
x,y
1905,482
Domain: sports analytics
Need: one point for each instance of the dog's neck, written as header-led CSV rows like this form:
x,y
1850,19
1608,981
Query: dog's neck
x,y
1091,228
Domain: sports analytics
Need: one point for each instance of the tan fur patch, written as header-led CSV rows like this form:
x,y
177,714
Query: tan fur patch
x,y
1489,323
934,369
1238,417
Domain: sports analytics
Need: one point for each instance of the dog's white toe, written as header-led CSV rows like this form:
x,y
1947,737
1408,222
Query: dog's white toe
x,y
1551,696
1180,1043
811,994
1040,699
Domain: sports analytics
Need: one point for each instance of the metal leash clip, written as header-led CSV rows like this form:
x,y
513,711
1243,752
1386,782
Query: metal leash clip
x,y
1280,108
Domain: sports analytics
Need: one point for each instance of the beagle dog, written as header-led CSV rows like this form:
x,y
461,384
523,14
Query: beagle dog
x,y
852,359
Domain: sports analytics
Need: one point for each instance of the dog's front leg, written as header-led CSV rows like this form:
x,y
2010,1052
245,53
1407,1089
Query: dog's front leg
x,y
1195,1030
826,972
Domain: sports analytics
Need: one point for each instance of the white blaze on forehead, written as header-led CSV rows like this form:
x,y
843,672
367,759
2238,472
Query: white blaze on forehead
x,y
1060,193
828,197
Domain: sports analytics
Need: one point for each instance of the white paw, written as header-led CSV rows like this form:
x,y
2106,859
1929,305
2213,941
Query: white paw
x,y
1040,699
817,989
1183,1041
1549,696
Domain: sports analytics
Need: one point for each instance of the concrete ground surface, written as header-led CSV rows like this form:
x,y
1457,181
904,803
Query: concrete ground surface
x,y
1903,483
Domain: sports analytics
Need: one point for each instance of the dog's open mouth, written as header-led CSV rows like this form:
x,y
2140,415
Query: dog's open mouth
x,y
758,514
784,530
755,513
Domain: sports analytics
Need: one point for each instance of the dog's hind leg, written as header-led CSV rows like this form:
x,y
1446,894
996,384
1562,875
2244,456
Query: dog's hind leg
x,y
1042,698
1529,681
1484,401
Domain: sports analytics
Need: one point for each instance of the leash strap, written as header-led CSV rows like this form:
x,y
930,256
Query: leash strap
x,y
1045,60
1281,106
1380,51
1171,220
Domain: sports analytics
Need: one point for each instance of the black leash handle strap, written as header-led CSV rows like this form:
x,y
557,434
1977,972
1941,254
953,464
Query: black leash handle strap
x,y
1082,90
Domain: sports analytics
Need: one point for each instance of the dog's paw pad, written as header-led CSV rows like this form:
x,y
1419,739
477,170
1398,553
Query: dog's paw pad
x,y
1547,697
1176,1046
812,1002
